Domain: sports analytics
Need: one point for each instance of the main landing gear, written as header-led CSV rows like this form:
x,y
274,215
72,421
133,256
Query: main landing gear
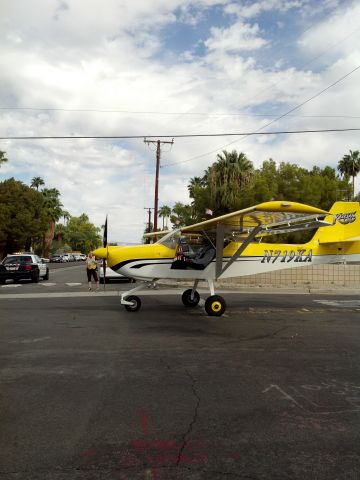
x,y
214,305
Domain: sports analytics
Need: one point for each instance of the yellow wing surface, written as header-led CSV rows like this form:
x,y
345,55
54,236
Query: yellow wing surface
x,y
273,217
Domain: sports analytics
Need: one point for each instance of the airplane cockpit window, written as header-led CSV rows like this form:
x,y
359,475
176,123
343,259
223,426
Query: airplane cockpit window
x,y
193,253
170,240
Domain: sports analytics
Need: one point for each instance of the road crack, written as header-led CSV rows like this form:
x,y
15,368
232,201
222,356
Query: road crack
x,y
194,418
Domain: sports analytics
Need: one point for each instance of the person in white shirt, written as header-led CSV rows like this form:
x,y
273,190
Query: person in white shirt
x,y
91,270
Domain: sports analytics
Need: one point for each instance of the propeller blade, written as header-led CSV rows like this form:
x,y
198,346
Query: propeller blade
x,y
105,233
105,245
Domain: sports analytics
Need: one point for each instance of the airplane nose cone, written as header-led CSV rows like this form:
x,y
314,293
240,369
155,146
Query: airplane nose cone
x,y
101,252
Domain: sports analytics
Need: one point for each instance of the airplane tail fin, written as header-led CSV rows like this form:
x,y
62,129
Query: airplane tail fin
x,y
345,219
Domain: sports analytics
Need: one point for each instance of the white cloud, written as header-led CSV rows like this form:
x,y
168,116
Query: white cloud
x,y
252,9
240,36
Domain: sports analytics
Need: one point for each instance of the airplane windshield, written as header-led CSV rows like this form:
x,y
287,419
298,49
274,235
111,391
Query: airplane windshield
x,y
170,240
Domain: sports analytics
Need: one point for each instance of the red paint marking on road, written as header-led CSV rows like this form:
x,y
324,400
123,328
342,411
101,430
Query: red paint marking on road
x,y
139,444
235,456
144,422
88,452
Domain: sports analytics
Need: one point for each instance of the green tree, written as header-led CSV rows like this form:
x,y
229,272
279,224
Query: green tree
x,y
59,233
23,220
164,213
66,216
3,159
349,166
226,179
181,215
53,212
82,235
37,182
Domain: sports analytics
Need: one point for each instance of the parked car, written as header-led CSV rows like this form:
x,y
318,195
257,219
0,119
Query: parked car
x,y
23,267
65,257
82,256
111,275
56,259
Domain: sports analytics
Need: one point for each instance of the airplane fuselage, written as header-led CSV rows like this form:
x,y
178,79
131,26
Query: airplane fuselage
x,y
152,261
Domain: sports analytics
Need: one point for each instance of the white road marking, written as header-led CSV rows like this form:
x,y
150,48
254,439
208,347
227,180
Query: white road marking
x,y
11,285
340,303
31,340
48,284
73,284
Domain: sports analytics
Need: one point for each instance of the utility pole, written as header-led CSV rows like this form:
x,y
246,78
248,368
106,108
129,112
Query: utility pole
x,y
158,154
149,222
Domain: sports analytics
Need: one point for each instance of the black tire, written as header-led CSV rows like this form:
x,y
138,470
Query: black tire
x,y
136,303
101,280
35,277
215,306
47,275
188,301
2,281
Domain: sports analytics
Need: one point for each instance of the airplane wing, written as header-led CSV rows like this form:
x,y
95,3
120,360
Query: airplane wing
x,y
266,218
159,233
273,217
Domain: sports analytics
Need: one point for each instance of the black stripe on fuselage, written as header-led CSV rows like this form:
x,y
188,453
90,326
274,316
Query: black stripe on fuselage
x,y
151,261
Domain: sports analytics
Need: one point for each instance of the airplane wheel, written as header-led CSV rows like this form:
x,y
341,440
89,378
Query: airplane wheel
x,y
188,301
135,303
215,306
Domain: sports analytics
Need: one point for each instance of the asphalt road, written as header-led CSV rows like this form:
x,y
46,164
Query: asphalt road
x,y
271,390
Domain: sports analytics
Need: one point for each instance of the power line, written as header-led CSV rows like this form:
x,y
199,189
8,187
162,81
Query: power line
x,y
200,114
272,121
188,135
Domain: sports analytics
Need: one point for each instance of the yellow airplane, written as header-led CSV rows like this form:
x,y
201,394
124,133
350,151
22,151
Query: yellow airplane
x,y
232,245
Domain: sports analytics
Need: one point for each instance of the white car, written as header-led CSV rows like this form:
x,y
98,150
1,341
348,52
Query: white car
x,y
111,275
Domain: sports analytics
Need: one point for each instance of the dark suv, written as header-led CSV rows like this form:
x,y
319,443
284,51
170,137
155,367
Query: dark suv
x,y
23,266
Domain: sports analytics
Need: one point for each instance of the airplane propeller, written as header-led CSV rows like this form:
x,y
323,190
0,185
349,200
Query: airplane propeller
x,y
105,246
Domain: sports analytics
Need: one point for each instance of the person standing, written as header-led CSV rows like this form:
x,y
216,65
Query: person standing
x,y
91,270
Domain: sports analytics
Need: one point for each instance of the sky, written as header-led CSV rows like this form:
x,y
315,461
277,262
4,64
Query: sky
x,y
166,68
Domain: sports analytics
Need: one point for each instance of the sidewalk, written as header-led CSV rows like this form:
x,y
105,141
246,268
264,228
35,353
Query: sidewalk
x,y
235,286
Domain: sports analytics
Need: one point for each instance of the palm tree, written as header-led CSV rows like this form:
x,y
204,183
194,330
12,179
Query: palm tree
x,y
52,206
37,182
349,166
164,212
3,159
226,177
195,183
59,232
66,216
